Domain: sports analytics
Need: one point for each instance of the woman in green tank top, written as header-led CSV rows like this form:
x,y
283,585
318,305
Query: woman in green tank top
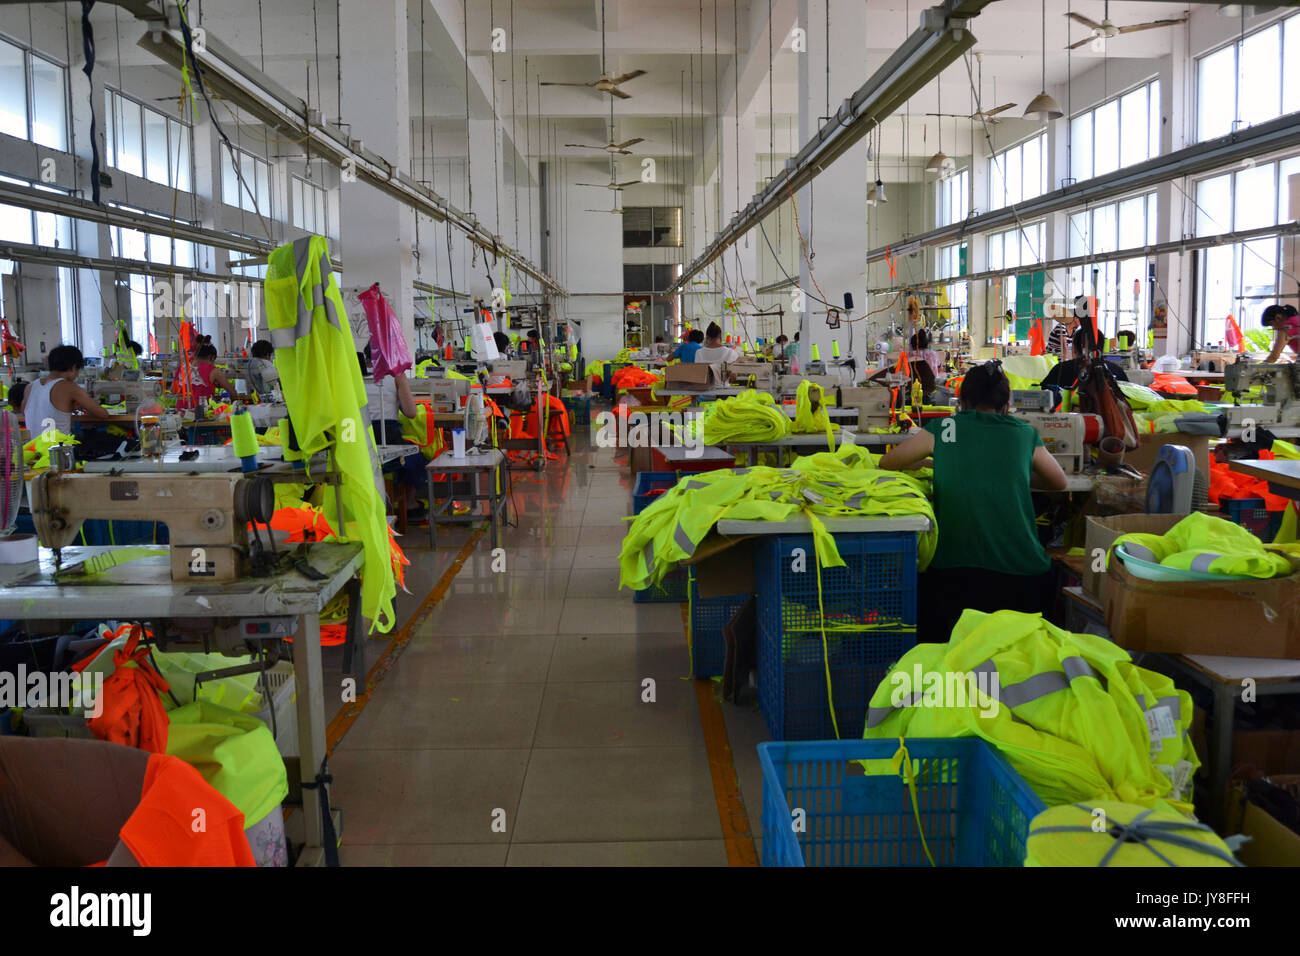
x,y
985,463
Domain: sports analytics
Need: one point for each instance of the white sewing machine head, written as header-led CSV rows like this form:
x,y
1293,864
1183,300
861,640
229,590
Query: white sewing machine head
x,y
1281,384
141,392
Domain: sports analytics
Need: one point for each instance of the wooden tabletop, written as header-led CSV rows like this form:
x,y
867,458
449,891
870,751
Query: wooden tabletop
x,y
1285,473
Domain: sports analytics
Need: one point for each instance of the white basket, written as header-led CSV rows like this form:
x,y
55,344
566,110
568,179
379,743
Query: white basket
x,y
282,688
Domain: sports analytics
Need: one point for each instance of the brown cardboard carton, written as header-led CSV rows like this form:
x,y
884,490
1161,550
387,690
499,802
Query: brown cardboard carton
x,y
1233,618
1144,456
690,375
1100,533
1271,843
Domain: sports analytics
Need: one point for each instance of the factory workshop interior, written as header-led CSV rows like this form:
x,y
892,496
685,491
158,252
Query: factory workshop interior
x,y
619,433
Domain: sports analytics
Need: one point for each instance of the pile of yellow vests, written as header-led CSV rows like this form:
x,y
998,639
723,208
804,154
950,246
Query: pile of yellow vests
x,y
1210,545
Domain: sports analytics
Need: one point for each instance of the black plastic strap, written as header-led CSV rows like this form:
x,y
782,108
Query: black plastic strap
x,y
88,49
328,834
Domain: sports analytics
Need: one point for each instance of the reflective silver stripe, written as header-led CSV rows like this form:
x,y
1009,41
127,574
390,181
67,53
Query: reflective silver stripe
x,y
301,249
741,471
648,552
1141,552
1077,667
855,501
885,478
876,715
683,540
692,485
1203,561
812,496
1174,704
776,495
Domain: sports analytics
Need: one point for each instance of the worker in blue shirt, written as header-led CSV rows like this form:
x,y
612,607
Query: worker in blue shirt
x,y
686,351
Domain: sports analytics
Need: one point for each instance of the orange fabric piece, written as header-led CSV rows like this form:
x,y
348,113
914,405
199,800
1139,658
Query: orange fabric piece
x,y
133,713
168,829
1036,343
1226,483
632,377
1173,384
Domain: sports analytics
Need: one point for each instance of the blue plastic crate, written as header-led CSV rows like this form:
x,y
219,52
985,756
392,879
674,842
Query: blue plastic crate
x,y
974,809
673,589
876,589
649,488
1251,514
579,409
708,617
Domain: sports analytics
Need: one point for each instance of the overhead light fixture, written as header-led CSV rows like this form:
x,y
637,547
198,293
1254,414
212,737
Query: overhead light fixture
x,y
1230,10
877,193
1044,107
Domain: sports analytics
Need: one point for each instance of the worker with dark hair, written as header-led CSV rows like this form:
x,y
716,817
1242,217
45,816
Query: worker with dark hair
x,y
1284,320
206,378
16,392
1066,374
50,402
714,352
1126,339
919,350
686,351
985,461
261,368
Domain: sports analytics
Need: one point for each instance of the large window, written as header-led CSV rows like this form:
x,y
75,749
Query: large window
x,y
142,141
309,206
652,226
1018,173
1241,278
250,188
952,198
33,97
1250,81
1120,132
950,263
1120,285
1015,248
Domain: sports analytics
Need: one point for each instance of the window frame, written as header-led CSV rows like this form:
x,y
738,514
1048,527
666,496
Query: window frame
x,y
242,189
1284,25
1153,94
999,164
29,91
176,132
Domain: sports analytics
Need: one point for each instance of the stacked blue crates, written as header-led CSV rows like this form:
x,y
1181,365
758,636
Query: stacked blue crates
x,y
673,588
708,617
972,808
870,613
1251,514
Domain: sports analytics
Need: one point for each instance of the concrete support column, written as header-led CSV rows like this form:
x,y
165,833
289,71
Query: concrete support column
x,y
832,210
378,233
1174,272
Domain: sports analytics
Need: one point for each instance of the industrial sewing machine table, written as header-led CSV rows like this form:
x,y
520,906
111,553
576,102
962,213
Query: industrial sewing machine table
x,y
143,590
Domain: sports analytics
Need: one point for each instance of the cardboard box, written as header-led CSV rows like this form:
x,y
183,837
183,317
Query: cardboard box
x,y
1144,456
1271,843
690,375
1232,618
1268,751
1100,533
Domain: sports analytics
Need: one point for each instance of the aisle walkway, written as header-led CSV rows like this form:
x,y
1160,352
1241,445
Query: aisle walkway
x,y
512,730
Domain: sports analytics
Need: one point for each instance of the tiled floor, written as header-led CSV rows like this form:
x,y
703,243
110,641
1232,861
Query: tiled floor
x,y
512,729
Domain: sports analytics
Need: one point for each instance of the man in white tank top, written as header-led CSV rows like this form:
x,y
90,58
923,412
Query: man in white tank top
x,y
49,402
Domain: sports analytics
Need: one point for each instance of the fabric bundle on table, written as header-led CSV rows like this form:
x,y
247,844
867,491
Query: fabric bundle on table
x,y
1207,544
751,416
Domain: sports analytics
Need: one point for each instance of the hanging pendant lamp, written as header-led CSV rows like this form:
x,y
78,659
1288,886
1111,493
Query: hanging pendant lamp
x,y
938,162
1044,107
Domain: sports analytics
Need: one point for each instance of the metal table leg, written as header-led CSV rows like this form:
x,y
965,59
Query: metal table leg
x,y
1220,745
311,734
433,516
494,502
354,651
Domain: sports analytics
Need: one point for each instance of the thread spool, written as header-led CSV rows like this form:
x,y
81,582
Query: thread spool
x,y
816,353
835,348
244,440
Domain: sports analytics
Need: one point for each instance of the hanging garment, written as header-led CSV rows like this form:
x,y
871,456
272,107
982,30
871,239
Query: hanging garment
x,y
810,412
389,353
1071,712
324,393
133,714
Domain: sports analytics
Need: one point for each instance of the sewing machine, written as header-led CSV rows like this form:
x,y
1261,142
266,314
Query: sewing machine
x,y
1032,400
1281,382
206,515
1066,435
1131,363
759,375
514,369
141,392
873,405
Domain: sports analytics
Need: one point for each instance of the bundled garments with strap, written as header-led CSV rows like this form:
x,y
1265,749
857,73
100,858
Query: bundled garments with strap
x,y
1208,545
1106,833
1071,712
843,483
323,389
810,412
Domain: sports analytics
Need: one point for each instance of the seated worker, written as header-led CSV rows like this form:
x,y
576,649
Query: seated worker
x,y
1126,339
985,462
686,351
1284,320
16,392
779,349
1066,374
792,348
395,392
714,352
50,402
919,349
206,378
258,368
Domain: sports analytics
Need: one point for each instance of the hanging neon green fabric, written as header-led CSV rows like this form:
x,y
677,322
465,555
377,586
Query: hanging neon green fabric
x,y
316,358
1209,544
809,419
1071,712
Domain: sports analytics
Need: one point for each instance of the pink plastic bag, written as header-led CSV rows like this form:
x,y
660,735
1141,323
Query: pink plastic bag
x,y
389,353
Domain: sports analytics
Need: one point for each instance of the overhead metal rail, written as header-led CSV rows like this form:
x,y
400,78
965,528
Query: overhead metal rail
x,y
941,39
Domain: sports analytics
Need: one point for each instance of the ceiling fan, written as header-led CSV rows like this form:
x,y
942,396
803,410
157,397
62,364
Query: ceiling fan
x,y
1101,32
616,211
607,82
612,147
616,186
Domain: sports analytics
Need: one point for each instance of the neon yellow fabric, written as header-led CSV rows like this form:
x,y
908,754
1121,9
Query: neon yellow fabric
x,y
36,453
232,751
807,420
323,390
1108,833
1028,368
1071,712
417,431
749,416
1202,542
840,484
